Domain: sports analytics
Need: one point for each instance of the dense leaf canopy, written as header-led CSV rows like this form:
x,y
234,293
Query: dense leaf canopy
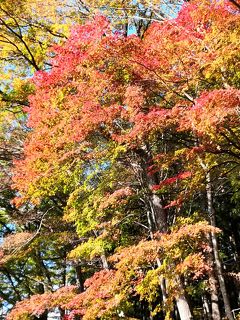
x,y
125,156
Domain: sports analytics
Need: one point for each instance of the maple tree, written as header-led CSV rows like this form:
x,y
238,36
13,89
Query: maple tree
x,y
127,134
108,291
27,30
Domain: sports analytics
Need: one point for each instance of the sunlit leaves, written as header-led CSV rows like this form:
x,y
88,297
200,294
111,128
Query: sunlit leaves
x,y
184,252
120,122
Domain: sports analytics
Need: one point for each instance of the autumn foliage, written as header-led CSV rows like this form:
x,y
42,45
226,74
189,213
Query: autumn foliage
x,y
127,130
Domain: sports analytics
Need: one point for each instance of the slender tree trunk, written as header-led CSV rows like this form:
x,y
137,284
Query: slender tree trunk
x,y
162,284
218,265
214,296
80,284
79,278
103,256
104,262
213,282
206,309
64,273
223,289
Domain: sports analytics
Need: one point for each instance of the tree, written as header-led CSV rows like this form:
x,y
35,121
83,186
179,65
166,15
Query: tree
x,y
27,31
122,134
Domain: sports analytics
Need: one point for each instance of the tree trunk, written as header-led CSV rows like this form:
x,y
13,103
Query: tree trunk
x,y
162,284
206,309
214,296
183,308
104,262
158,213
103,256
158,222
223,289
79,278
157,217
218,265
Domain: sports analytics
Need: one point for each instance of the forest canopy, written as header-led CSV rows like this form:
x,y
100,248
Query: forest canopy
x,y
119,155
